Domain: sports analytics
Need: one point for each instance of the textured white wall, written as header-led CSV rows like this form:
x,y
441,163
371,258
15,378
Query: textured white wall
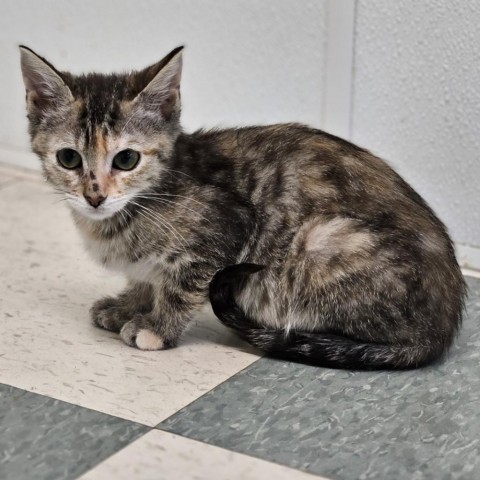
x,y
416,100
246,61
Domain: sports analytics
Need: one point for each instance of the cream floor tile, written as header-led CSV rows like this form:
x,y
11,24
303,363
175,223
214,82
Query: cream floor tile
x,y
5,180
48,344
161,455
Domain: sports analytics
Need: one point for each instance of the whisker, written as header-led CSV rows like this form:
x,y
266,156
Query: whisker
x,y
174,195
60,200
136,232
171,202
124,216
178,171
155,216
166,223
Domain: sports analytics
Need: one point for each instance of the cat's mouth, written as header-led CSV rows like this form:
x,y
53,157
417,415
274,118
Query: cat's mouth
x,y
101,212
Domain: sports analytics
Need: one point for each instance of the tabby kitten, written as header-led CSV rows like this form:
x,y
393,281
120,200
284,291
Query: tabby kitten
x,y
312,248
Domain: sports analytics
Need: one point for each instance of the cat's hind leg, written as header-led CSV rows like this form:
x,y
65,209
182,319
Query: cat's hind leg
x,y
345,298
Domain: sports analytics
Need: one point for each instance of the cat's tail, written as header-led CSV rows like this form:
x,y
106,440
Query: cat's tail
x,y
316,348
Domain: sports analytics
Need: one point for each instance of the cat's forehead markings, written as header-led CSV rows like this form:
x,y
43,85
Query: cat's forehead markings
x,y
89,136
101,144
96,115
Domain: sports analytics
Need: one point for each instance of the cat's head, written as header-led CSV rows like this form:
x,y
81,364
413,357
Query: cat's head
x,y
102,139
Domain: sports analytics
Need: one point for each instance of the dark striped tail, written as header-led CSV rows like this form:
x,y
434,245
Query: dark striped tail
x,y
317,348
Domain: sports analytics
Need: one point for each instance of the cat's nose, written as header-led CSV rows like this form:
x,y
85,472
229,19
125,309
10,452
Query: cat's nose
x,y
94,200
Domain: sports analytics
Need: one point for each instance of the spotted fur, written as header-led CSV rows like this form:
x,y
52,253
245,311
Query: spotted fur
x,y
318,250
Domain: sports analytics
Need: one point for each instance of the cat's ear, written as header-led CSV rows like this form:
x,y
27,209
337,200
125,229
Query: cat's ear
x,y
162,84
43,83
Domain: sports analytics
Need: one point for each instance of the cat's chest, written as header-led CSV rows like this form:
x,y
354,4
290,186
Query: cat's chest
x,y
118,255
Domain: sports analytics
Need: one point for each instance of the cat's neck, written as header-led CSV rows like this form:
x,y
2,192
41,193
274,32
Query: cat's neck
x,y
104,229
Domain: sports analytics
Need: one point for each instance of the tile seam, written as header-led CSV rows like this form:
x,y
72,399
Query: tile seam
x,y
158,426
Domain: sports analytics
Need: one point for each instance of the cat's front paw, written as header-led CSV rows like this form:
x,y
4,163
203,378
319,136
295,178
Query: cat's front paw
x,y
139,332
107,314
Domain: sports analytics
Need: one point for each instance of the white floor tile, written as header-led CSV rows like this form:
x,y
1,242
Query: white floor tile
x,y
5,181
48,344
161,455
471,273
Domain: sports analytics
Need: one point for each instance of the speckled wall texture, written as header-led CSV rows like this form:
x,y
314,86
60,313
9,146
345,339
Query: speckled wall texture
x,y
417,100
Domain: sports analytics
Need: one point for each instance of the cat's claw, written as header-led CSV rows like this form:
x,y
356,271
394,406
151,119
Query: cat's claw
x,y
138,333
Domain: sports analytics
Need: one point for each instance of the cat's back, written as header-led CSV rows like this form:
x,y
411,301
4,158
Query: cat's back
x,y
315,172
314,161
278,142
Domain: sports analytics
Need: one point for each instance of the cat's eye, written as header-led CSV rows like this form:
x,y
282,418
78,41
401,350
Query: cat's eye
x,y
69,158
126,160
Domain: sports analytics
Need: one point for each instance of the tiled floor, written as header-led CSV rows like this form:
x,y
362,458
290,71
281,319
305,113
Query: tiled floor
x,y
76,402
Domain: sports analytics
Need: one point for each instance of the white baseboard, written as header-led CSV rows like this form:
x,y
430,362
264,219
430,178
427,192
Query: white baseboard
x,y
468,257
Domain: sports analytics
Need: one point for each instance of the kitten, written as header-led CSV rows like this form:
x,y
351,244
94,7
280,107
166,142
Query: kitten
x,y
319,252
